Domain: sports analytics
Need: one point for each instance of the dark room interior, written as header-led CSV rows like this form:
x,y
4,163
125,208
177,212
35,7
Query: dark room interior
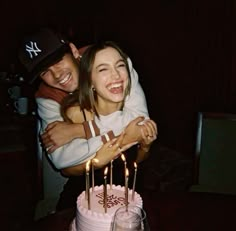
x,y
184,53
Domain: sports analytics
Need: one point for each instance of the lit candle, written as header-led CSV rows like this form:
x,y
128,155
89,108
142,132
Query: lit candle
x,y
125,163
135,174
111,174
87,183
86,179
105,189
93,161
126,188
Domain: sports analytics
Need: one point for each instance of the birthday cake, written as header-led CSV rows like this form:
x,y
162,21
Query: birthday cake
x,y
96,218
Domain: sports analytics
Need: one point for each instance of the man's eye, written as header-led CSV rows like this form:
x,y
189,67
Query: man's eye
x,y
43,73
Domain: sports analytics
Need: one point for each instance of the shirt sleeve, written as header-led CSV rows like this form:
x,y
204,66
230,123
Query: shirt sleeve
x,y
78,150
135,104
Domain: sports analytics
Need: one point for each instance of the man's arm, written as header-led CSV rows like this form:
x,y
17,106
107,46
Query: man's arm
x,y
59,133
135,104
109,151
72,153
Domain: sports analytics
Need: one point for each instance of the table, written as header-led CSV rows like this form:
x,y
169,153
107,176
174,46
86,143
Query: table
x,y
183,211
191,211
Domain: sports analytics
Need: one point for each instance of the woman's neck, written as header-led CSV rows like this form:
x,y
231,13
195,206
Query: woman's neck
x,y
107,108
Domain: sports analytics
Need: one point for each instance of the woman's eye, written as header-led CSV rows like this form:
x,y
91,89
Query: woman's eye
x,y
101,70
121,64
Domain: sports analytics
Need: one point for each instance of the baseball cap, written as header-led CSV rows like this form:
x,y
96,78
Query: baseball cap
x,y
41,50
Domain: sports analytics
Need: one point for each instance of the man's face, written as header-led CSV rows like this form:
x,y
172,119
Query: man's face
x,y
63,75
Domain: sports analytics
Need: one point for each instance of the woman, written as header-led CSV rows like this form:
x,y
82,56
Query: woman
x,y
104,84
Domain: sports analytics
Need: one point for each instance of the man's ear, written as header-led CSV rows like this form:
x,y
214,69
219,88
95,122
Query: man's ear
x,y
74,50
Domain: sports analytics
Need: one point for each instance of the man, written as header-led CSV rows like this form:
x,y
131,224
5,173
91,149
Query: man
x,y
50,57
47,56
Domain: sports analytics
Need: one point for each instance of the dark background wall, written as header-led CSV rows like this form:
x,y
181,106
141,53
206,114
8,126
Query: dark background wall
x,y
184,51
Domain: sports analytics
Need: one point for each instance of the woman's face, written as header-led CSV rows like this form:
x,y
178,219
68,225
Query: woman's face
x,y
109,76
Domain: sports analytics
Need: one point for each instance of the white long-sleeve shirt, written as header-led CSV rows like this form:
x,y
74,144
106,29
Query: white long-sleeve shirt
x,y
79,150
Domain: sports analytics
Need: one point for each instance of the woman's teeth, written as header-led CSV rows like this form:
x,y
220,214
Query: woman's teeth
x,y
115,85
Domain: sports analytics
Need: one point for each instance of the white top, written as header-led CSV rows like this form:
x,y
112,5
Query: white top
x,y
80,150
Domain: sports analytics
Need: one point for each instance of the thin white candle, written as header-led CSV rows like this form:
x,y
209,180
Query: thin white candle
x,y
92,177
93,162
111,174
87,183
134,183
105,189
126,188
125,163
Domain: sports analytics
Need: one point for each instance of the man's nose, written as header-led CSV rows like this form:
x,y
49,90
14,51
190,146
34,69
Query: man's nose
x,y
55,72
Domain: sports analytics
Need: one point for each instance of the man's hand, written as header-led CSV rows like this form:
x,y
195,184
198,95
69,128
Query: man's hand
x,y
149,133
138,129
133,131
59,133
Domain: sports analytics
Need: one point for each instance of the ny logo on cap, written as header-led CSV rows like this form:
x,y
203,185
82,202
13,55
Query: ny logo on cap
x,y
32,49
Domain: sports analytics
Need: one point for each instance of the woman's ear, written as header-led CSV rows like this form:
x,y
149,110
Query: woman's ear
x,y
74,50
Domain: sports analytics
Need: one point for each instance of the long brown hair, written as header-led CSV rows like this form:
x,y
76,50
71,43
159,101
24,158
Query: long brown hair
x,y
85,96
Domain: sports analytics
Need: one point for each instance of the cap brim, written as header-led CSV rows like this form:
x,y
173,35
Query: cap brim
x,y
48,61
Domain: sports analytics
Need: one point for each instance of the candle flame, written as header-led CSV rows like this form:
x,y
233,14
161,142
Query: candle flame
x,y
88,166
127,172
105,171
95,160
123,157
135,165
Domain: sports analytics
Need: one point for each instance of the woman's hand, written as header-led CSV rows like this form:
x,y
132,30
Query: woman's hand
x,y
111,150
